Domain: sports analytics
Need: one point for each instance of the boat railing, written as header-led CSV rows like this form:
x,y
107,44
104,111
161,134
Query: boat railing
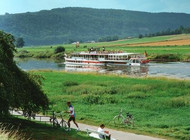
x,y
105,52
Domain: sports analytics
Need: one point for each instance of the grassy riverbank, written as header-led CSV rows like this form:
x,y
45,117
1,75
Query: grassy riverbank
x,y
14,129
160,106
159,53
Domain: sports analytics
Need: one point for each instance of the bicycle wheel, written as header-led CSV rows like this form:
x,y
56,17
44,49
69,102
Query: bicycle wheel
x,y
132,122
118,120
56,123
129,121
65,125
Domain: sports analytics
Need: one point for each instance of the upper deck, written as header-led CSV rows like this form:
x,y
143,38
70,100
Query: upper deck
x,y
104,53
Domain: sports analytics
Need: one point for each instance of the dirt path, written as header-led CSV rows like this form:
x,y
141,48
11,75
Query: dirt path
x,y
119,135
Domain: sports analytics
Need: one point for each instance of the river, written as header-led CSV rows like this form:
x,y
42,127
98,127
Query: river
x,y
170,69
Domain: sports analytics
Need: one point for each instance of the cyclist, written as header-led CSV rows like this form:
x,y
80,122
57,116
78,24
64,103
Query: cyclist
x,y
72,115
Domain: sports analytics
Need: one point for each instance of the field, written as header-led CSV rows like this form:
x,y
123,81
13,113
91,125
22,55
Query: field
x,y
164,48
160,106
165,43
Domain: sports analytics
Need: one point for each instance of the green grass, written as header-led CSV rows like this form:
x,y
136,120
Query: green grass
x,y
160,106
24,129
70,47
183,52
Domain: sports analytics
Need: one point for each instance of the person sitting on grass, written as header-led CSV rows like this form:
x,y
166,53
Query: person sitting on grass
x,y
72,115
101,130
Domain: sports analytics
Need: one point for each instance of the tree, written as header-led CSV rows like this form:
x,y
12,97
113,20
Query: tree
x,y
20,42
59,49
18,89
140,36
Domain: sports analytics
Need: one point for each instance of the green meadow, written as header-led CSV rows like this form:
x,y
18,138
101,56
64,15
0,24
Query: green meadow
x,y
160,106
171,53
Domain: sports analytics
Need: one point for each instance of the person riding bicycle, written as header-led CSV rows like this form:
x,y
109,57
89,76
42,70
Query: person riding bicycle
x,y
72,115
101,130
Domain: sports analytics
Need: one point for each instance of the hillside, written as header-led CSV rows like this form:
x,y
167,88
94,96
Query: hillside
x,y
62,25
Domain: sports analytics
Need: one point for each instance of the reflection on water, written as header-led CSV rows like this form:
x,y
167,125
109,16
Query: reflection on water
x,y
36,64
127,70
174,69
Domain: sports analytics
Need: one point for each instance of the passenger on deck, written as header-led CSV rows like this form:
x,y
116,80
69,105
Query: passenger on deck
x,y
104,49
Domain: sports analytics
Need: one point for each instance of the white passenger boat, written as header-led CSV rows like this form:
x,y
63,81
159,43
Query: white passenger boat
x,y
106,58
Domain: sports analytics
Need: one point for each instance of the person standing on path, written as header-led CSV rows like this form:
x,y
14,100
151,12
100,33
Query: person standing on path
x,y
72,115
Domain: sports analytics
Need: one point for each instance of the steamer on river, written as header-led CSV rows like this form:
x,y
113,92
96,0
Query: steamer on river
x,y
106,58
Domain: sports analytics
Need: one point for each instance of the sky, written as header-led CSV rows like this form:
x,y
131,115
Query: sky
x,y
21,6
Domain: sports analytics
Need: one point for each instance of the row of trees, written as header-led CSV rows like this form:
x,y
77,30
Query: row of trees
x,y
18,89
179,30
108,38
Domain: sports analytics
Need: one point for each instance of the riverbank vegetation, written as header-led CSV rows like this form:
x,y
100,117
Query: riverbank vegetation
x,y
160,106
168,51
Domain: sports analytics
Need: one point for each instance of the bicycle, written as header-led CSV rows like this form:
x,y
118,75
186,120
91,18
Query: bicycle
x,y
29,114
59,123
120,119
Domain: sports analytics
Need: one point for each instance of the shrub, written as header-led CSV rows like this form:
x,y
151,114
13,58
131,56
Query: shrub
x,y
44,54
137,95
59,49
102,90
98,99
141,87
92,99
59,56
177,102
70,83
24,53
110,100
111,90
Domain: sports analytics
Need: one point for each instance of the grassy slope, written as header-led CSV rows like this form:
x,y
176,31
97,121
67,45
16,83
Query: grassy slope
x,y
37,131
70,47
181,52
160,106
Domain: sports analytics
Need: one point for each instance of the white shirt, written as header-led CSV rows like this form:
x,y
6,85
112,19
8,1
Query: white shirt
x,y
100,130
71,110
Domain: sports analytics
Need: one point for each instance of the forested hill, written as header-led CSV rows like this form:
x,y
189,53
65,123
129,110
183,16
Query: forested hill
x,y
64,24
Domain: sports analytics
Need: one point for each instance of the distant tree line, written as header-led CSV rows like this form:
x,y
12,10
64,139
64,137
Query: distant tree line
x,y
108,38
179,30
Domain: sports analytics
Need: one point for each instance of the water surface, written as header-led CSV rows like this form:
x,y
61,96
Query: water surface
x,y
174,69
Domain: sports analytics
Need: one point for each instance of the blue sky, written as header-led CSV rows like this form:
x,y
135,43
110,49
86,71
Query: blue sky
x,y
20,6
